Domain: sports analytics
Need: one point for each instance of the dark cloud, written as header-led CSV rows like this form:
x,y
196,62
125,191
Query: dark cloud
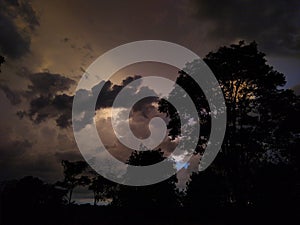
x,y
109,91
47,99
57,107
14,41
63,121
9,151
274,24
13,149
48,83
146,107
106,97
28,14
13,96
141,114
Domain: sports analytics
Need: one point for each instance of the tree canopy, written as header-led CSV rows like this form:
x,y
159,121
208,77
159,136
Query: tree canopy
x,y
262,126
160,195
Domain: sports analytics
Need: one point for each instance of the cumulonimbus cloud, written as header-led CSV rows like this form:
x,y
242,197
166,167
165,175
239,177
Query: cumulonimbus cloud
x,y
14,40
274,24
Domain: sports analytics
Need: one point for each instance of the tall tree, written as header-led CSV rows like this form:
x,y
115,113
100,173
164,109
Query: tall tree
x,y
259,128
74,176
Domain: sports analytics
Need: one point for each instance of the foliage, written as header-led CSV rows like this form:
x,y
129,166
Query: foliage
x,y
31,192
262,127
163,194
102,188
73,176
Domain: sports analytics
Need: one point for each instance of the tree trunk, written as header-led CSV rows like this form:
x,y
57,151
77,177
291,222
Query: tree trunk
x,y
95,201
70,196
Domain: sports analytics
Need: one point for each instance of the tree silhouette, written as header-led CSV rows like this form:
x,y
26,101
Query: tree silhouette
x,y
102,188
259,114
207,190
163,194
73,176
260,117
31,192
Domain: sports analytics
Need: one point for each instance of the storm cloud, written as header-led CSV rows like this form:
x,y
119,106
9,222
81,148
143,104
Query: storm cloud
x,y
17,22
13,96
106,97
47,99
273,24
48,83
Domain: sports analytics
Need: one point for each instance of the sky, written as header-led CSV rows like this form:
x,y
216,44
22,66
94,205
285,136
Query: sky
x,y
47,46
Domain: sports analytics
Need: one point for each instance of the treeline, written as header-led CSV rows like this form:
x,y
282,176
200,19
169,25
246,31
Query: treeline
x,y
210,195
268,185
